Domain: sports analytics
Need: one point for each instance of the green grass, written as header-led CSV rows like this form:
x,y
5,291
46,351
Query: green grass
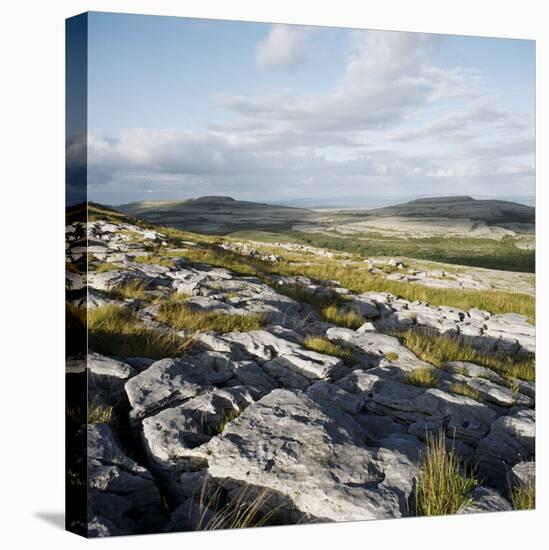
x,y
155,259
391,356
323,345
466,391
442,485
342,317
105,266
357,279
523,496
96,414
424,377
99,414
132,290
180,315
439,349
117,330
476,252
226,418
251,508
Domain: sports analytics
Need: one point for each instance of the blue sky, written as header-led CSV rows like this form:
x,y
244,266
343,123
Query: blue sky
x,y
179,108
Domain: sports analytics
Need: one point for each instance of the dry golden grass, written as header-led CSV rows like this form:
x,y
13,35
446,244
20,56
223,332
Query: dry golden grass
x,y
466,391
106,266
424,377
442,485
342,317
132,290
357,279
251,508
323,345
117,330
439,349
96,414
180,315
155,259
523,496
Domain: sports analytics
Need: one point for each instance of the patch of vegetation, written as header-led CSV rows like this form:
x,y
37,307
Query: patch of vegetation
x,y
99,414
251,508
476,252
96,414
116,330
323,345
439,349
424,377
354,277
226,418
466,391
132,290
391,356
75,315
442,484
103,267
523,496
180,315
357,279
155,259
342,317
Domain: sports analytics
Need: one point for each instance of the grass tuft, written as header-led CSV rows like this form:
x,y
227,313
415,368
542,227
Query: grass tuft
x,y
439,349
155,259
391,356
180,315
251,508
105,267
117,330
99,414
523,496
424,377
466,391
442,486
96,414
342,317
133,290
323,345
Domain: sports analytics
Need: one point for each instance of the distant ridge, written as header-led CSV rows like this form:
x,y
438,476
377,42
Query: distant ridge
x,y
461,207
217,214
435,200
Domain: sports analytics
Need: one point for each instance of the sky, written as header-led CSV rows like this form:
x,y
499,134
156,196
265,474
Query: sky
x,y
181,108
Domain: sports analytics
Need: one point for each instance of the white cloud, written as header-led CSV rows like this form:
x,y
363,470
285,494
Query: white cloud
x,y
284,47
394,124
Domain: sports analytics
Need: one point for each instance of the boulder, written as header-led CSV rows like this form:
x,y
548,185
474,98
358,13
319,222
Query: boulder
x,y
171,436
485,499
122,495
171,381
312,461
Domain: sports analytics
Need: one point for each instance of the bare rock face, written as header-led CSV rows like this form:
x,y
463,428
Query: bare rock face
x,y
171,381
249,414
486,499
313,460
122,495
511,440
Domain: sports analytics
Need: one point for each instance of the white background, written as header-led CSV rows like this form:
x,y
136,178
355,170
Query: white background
x,y
32,248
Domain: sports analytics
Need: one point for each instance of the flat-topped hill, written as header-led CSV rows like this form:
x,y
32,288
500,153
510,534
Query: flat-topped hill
x,y
217,214
490,211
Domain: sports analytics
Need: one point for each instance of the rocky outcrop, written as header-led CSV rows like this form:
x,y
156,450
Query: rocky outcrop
x,y
256,417
122,497
313,460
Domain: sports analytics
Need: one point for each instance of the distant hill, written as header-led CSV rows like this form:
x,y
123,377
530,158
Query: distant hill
x,y
493,212
217,214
